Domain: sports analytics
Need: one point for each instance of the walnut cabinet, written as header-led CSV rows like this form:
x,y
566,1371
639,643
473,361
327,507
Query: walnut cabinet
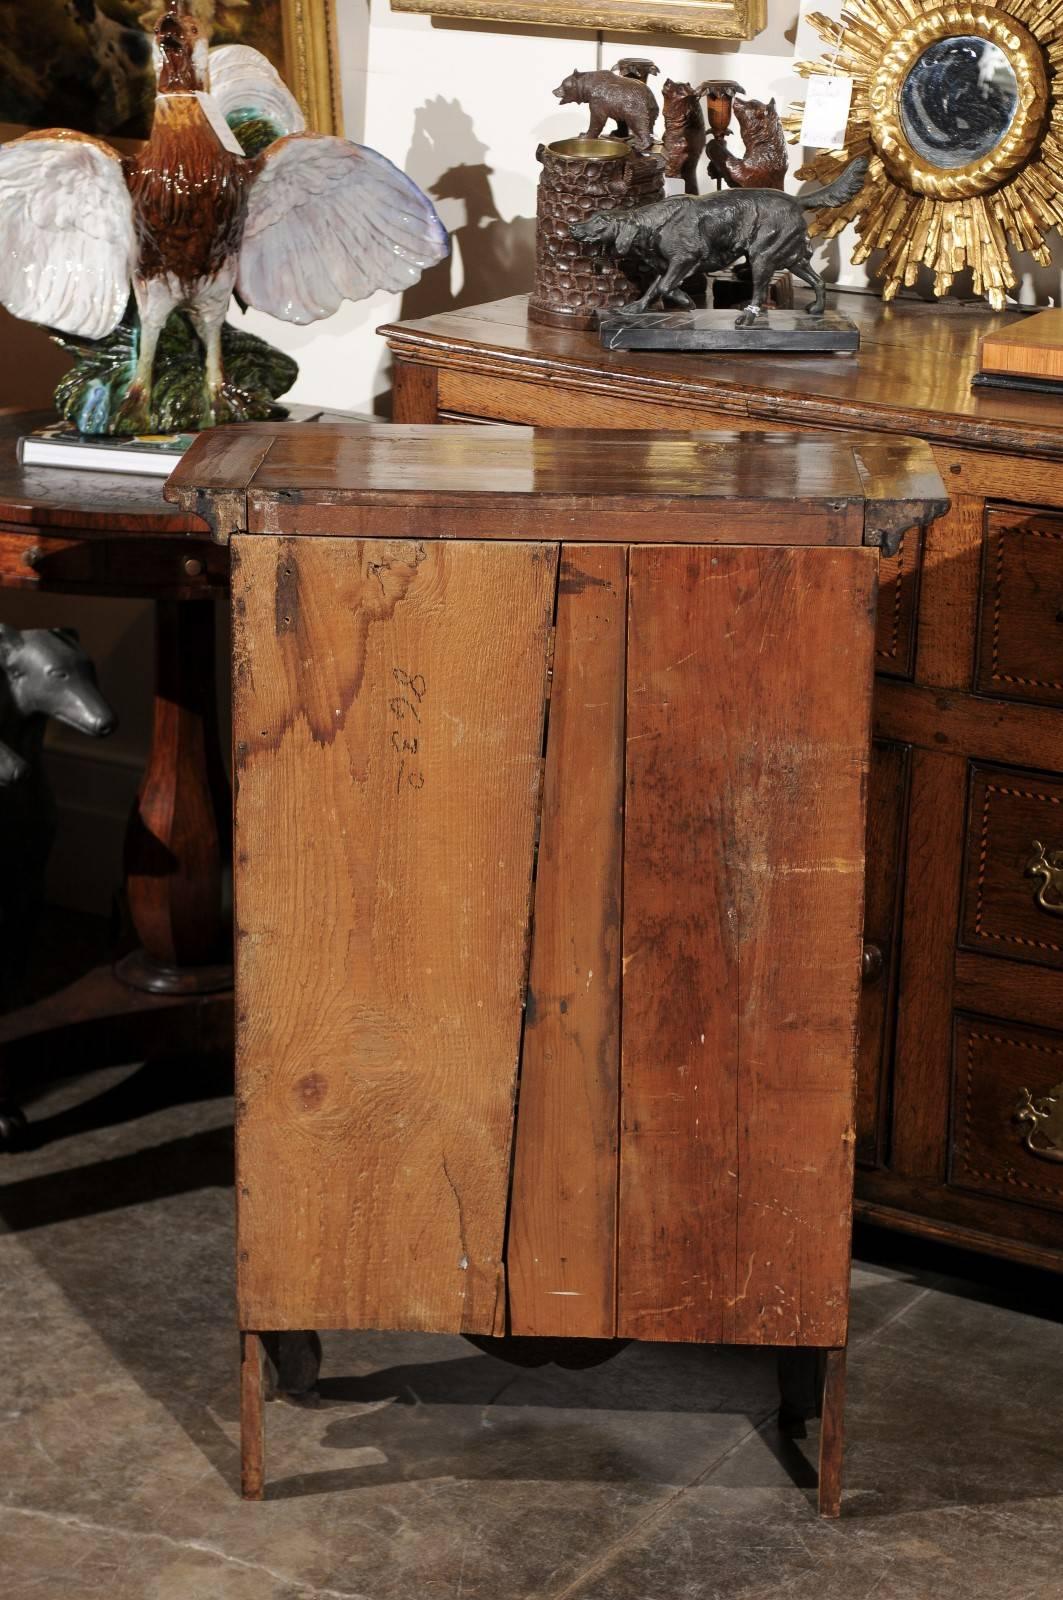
x,y
551,757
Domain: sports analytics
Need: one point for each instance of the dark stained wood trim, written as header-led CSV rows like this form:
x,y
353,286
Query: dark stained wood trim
x,y
1005,1228
933,873
951,723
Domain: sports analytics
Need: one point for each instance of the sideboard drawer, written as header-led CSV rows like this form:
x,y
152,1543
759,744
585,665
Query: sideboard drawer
x,y
1020,649
1011,903
1007,1136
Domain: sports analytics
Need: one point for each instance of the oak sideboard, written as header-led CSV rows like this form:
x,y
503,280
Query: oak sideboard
x,y
960,1103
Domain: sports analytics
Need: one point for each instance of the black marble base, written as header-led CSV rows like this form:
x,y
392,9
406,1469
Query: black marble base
x,y
781,332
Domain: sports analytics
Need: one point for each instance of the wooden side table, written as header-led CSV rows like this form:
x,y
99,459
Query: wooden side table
x,y
552,756
94,533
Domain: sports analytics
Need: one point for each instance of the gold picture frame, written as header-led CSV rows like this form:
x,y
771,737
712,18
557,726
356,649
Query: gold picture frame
x,y
713,19
299,36
310,48
922,214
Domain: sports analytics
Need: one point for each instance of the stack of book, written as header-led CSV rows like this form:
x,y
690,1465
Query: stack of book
x,y
1026,354
61,445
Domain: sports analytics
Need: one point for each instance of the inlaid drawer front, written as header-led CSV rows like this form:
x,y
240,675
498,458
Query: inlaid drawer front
x,y
898,595
1020,653
1008,1111
1013,893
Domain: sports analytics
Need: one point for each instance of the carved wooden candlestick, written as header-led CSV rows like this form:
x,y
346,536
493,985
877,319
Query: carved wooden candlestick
x,y
719,93
576,281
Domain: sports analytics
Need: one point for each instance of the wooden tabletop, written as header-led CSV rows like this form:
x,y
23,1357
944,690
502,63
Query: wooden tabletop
x,y
912,374
273,477
115,504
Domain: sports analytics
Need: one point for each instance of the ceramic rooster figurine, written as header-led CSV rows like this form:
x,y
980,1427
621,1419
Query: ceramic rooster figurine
x,y
306,223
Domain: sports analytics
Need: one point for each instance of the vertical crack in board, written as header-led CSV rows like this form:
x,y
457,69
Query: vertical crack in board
x,y
389,702
749,682
562,1238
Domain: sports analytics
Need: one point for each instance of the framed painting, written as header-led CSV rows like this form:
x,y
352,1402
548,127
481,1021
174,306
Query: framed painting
x,y
86,64
713,19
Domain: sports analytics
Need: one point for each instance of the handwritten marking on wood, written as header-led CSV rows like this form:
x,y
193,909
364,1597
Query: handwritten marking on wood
x,y
382,920
562,1241
749,680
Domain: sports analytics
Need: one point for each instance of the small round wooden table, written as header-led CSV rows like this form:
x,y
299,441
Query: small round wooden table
x,y
99,533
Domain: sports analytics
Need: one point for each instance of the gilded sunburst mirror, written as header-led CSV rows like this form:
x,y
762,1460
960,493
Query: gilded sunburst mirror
x,y
956,108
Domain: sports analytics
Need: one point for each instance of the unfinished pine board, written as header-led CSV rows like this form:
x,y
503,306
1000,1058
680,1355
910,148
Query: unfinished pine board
x,y
389,701
562,1243
749,680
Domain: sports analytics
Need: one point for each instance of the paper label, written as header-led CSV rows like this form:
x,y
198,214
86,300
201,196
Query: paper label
x,y
826,112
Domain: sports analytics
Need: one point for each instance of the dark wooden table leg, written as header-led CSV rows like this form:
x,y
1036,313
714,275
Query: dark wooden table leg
x,y
179,839
252,1422
832,1435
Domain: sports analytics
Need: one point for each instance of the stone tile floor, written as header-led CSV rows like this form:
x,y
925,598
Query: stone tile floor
x,y
433,1472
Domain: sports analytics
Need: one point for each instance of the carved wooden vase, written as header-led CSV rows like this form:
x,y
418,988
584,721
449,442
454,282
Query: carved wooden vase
x,y
575,282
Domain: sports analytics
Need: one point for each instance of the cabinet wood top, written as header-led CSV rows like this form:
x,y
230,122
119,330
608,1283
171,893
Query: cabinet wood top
x,y
912,374
515,482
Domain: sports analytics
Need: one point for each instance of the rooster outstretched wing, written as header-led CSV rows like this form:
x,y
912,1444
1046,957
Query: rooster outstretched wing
x,y
67,241
251,95
329,221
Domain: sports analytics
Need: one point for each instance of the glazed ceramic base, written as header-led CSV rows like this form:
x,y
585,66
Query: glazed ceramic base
x,y
90,395
780,332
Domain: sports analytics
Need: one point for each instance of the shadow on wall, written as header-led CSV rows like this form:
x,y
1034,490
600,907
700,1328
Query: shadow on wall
x,y
490,258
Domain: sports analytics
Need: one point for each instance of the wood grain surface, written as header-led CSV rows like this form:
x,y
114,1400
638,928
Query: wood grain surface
x,y
749,682
912,374
355,481
933,873
562,1242
389,703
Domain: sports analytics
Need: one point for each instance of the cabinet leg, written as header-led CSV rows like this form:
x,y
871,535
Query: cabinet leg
x,y
415,393
801,1371
179,837
832,1435
252,1424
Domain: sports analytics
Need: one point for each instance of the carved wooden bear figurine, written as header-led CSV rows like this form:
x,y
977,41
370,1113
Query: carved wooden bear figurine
x,y
684,133
630,102
762,164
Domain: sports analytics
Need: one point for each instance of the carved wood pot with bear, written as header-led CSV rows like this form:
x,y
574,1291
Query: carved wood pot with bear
x,y
574,281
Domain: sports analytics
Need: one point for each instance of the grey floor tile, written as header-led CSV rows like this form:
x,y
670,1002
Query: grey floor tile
x,y
720,1543
434,1470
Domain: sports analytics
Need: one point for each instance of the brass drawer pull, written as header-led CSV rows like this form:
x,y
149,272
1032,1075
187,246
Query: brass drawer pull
x,y
1044,1136
1048,866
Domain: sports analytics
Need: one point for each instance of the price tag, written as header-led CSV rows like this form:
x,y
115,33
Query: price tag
x,y
826,112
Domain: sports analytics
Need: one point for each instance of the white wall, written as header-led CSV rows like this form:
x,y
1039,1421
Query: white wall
x,y
468,104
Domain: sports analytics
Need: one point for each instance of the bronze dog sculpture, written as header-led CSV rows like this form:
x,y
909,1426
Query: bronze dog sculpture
x,y
678,237
44,673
